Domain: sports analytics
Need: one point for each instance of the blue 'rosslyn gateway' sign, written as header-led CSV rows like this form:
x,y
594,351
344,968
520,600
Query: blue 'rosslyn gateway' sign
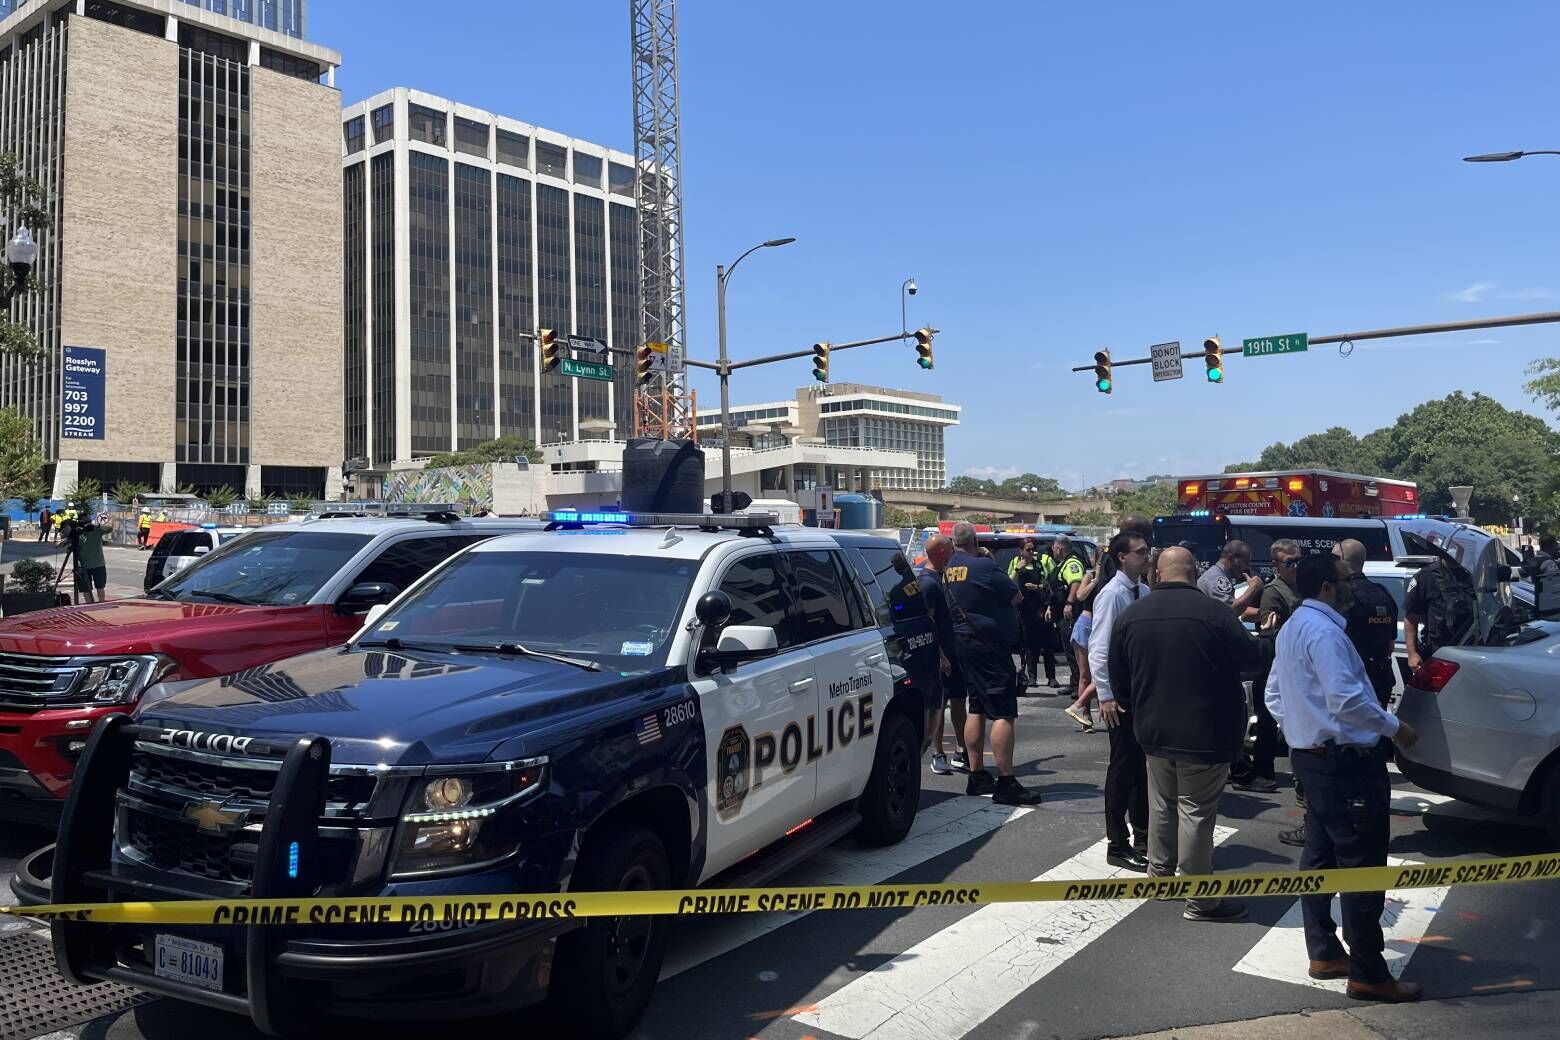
x,y
81,394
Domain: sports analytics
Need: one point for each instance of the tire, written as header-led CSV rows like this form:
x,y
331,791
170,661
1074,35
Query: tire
x,y
606,971
893,792
1549,805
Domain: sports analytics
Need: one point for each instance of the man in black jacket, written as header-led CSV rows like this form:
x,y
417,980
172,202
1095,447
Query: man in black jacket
x,y
1176,659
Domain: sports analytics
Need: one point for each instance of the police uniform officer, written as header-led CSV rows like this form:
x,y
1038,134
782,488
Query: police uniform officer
x,y
1066,574
1030,574
1372,621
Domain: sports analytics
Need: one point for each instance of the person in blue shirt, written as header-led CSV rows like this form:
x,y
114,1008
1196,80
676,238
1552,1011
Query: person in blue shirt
x,y
939,550
984,603
1326,705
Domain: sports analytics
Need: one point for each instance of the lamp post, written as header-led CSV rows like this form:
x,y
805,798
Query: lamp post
x,y
723,369
1505,156
907,289
21,253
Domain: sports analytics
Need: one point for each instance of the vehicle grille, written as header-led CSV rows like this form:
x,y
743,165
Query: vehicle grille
x,y
178,845
30,682
202,779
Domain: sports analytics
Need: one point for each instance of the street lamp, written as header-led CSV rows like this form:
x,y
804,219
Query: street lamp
x,y
905,290
21,253
1505,156
724,368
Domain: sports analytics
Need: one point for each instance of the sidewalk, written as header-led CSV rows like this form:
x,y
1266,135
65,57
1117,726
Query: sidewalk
x,y
1509,1014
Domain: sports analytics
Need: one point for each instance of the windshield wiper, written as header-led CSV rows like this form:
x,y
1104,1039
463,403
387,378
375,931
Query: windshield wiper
x,y
519,650
221,597
400,644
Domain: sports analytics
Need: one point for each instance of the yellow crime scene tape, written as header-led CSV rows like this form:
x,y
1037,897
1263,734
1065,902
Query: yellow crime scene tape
x,y
478,909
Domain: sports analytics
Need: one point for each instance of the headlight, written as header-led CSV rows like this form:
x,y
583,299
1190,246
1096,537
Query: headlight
x,y
453,820
119,680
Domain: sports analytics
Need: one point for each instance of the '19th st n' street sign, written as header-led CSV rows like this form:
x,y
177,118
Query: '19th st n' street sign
x,y
1294,343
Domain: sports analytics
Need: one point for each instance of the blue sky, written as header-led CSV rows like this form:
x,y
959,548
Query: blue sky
x,y
1062,177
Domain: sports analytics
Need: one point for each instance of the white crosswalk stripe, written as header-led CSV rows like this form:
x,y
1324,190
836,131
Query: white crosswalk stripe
x,y
951,982
1281,953
937,829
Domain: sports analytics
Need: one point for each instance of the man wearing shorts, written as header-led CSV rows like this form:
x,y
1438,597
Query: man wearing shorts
x,y
984,603
91,568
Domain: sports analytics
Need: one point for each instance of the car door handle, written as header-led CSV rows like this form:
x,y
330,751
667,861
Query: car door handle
x,y
801,684
876,658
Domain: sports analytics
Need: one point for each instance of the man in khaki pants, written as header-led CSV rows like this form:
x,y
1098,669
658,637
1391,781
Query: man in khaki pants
x,y
1176,659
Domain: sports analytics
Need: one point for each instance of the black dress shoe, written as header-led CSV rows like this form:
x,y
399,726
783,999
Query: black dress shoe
x,y
1127,859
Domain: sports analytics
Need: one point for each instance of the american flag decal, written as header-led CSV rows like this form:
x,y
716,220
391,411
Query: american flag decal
x,y
649,729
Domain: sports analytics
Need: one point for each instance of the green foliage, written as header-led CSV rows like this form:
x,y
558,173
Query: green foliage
x,y
972,486
989,519
301,503
221,497
1151,501
20,198
1545,384
1093,518
31,575
83,492
177,489
1045,487
1456,440
895,517
504,449
259,503
127,491
32,496
21,456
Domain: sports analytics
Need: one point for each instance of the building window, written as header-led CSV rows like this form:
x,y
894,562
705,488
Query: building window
x,y
587,169
516,310
425,124
213,43
514,149
620,179
429,230
590,293
382,174
354,286
552,159
129,17
624,232
290,65
554,280
471,137
352,130
384,123
473,307
286,481
212,334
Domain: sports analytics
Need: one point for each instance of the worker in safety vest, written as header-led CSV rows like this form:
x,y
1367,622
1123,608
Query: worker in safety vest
x,y
143,529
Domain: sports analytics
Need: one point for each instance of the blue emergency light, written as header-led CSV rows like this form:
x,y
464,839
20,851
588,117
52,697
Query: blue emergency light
x,y
208,526
574,516
292,860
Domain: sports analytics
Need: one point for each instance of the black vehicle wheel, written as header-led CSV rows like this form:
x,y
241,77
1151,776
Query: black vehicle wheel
x,y
893,791
606,971
1549,805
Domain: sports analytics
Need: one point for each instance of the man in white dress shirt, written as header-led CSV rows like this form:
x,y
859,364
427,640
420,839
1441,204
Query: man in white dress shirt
x,y
1322,698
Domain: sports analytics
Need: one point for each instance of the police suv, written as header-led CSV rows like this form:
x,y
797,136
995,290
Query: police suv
x,y
618,702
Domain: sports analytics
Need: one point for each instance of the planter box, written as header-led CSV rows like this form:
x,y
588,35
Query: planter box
x,y
13,603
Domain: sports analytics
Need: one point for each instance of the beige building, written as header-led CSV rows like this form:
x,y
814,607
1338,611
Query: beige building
x,y
189,289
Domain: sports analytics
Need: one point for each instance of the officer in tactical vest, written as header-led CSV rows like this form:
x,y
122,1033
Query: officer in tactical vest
x,y
1065,578
1029,571
1372,620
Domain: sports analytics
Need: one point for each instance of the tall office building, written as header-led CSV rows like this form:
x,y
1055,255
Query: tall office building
x,y
465,233
187,291
283,16
847,415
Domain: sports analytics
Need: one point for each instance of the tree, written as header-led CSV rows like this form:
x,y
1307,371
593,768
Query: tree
x,y
21,456
300,503
895,517
972,486
127,491
504,449
83,491
1154,500
221,497
32,496
1044,487
989,519
20,197
1093,518
1545,384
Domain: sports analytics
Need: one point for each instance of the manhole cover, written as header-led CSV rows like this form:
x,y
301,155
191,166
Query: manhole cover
x,y
35,1000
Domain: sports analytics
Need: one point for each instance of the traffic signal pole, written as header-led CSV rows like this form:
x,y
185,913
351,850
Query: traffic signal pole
x,y
1543,318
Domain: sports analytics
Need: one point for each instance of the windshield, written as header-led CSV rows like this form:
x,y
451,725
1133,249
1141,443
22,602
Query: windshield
x,y
617,611
270,568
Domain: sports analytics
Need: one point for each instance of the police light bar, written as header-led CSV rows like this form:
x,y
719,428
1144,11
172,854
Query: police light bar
x,y
728,521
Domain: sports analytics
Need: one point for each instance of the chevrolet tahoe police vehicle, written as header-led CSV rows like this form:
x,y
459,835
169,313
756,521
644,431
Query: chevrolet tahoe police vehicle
x,y
614,703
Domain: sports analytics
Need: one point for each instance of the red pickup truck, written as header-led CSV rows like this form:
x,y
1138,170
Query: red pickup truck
x,y
272,594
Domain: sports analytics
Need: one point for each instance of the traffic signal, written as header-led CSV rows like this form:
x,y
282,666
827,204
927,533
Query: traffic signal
x,y
1213,354
1102,376
821,362
923,348
644,357
547,340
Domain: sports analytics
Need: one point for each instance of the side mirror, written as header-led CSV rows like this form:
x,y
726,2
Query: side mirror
x,y
363,596
200,550
713,609
748,641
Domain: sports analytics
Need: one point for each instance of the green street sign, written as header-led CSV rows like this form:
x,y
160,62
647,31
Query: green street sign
x,y
1294,343
586,370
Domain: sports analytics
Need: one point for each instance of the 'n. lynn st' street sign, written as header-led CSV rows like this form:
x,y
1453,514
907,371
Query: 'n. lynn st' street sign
x,y
1294,343
585,369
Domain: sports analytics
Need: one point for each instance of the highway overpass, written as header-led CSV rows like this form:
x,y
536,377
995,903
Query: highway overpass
x,y
949,505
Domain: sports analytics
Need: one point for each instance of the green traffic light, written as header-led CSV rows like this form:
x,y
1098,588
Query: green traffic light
x,y
1102,385
820,375
925,362
1215,375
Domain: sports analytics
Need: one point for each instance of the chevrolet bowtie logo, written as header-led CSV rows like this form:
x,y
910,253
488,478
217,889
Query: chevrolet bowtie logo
x,y
212,818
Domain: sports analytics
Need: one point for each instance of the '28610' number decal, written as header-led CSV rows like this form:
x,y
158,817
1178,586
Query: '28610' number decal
x,y
677,714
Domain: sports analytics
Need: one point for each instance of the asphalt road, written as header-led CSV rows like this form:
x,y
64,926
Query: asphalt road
x,y
126,565
1062,972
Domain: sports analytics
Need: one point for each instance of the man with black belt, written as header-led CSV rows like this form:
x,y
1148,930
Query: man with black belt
x,y
984,604
1279,601
938,552
1029,573
1373,621
1066,574
1321,696
1126,777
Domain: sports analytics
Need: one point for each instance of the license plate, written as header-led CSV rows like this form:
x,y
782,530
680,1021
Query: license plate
x,y
185,960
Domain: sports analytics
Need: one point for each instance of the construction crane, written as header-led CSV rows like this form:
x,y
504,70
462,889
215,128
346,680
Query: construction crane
x,y
662,407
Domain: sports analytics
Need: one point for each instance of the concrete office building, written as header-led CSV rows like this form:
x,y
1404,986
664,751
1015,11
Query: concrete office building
x,y
465,233
283,16
190,159
846,416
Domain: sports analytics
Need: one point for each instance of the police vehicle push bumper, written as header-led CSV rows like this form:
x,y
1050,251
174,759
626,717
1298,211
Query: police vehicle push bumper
x,y
281,977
